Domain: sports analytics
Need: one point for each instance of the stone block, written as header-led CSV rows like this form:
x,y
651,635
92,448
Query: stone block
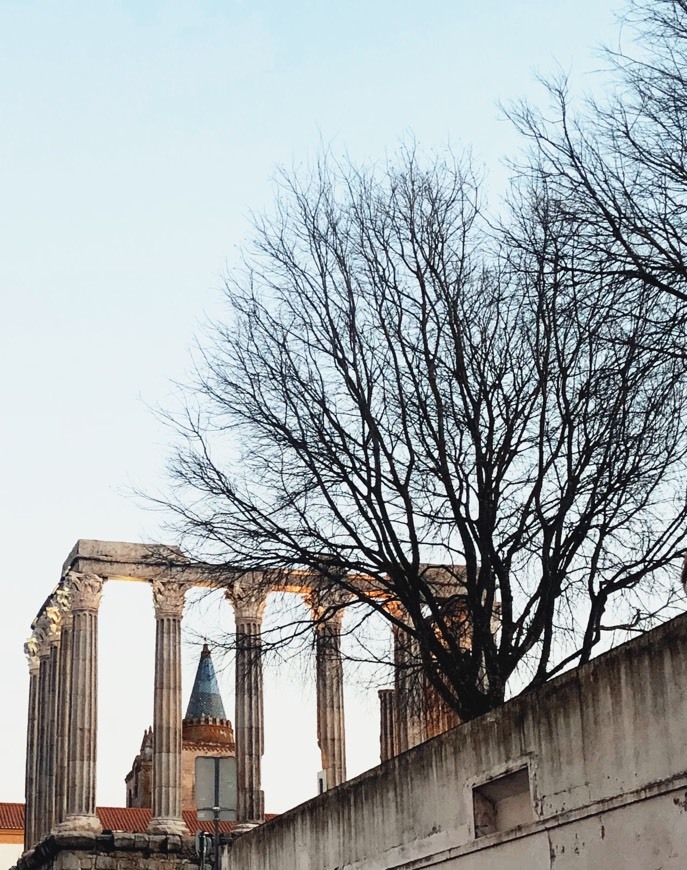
x,y
124,840
75,841
173,843
156,842
69,861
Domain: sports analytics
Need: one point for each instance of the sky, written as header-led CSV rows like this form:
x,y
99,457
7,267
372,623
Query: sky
x,y
135,140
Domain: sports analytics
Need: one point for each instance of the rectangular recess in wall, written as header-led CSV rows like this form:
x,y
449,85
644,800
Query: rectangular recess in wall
x,y
502,803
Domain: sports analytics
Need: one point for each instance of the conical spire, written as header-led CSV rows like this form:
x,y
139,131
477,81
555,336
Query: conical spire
x,y
205,698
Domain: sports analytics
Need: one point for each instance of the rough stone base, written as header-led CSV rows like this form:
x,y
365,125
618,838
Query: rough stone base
x,y
111,851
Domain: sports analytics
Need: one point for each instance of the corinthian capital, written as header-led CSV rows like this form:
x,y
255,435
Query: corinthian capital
x,y
53,616
86,591
168,598
31,653
248,597
46,630
327,606
63,600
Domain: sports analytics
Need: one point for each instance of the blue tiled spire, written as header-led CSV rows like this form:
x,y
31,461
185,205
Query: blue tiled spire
x,y
205,698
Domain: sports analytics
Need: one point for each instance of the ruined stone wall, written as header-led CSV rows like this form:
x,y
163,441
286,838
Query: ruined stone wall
x,y
588,772
112,851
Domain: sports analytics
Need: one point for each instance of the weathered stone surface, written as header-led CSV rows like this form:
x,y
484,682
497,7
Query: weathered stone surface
x,y
604,750
172,844
70,861
123,840
68,840
166,818
111,851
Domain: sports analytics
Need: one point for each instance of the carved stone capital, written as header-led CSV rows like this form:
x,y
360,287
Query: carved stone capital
x,y
31,653
168,598
248,598
327,606
86,590
46,630
53,616
41,632
63,600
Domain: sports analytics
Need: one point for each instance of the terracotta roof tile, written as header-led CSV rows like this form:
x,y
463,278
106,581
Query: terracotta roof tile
x,y
12,817
115,819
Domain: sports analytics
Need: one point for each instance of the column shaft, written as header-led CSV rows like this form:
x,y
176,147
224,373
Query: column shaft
x,y
331,735
31,746
63,720
86,592
51,738
409,693
387,724
249,720
43,731
166,818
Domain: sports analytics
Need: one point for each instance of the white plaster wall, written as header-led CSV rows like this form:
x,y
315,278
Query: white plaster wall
x,y
606,748
9,854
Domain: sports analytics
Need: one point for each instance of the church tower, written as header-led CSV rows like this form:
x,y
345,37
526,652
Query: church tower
x,y
206,731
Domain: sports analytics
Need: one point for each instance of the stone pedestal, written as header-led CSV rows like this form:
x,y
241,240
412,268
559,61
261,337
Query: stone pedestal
x,y
249,605
168,599
86,592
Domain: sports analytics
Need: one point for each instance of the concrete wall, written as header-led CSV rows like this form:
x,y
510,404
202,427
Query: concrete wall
x,y
605,749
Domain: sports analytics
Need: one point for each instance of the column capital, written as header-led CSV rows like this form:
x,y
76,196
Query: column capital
x,y
168,598
47,630
248,599
63,600
85,591
327,606
31,653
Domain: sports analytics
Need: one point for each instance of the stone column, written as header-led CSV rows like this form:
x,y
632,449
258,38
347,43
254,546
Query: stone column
x,y
409,690
331,732
86,592
168,600
31,651
55,619
387,724
249,605
42,724
47,629
63,703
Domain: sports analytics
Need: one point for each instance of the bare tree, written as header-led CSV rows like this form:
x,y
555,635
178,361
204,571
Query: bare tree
x,y
393,389
618,165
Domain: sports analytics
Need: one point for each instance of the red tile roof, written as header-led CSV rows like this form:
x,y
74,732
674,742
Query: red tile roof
x,y
12,817
133,819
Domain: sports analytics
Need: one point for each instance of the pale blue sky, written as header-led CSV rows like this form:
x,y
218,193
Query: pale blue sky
x,y
134,139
